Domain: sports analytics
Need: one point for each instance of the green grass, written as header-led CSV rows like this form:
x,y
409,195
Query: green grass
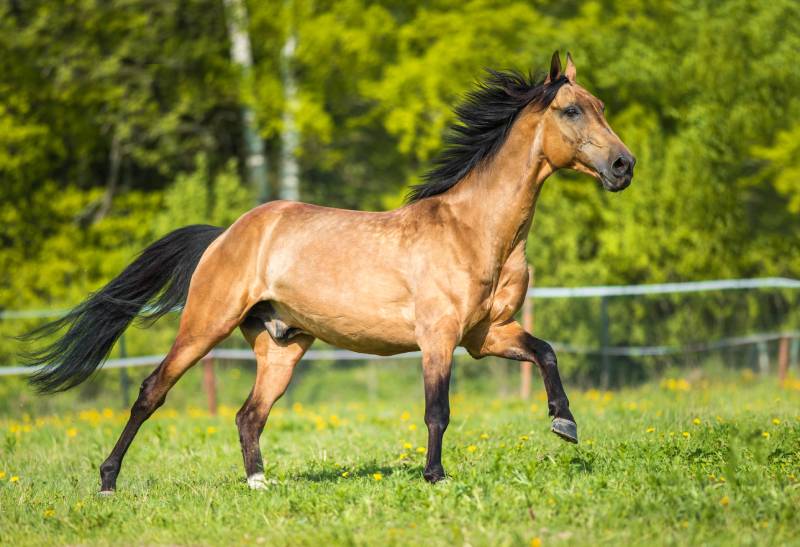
x,y
660,464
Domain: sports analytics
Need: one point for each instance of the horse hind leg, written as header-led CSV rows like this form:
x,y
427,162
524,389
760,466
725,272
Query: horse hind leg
x,y
201,328
276,359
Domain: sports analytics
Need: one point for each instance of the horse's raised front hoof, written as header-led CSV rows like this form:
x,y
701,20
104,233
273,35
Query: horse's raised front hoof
x,y
434,475
566,429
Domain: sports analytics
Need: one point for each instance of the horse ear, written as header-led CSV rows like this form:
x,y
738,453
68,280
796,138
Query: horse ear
x,y
555,68
571,71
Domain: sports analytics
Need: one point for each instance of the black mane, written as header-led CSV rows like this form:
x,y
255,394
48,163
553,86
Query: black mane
x,y
482,124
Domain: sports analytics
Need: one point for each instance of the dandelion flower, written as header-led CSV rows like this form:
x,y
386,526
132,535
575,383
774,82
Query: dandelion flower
x,y
724,501
421,449
776,421
211,430
405,416
765,434
377,476
523,437
686,434
408,446
72,432
345,474
412,427
536,542
472,448
2,475
650,429
49,513
696,421
14,479
403,456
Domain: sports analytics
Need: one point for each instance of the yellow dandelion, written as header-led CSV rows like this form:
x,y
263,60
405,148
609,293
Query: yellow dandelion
x,y
686,434
2,475
297,407
404,455
776,421
722,479
211,430
377,476
536,542
14,479
523,437
345,474
472,448
405,416
650,429
108,413
420,449
724,501
484,436
412,427
696,421
765,434
408,446
72,432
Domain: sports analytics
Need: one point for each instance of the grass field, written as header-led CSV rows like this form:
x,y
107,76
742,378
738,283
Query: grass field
x,y
668,463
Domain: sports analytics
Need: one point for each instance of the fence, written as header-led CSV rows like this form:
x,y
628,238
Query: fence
x,y
597,345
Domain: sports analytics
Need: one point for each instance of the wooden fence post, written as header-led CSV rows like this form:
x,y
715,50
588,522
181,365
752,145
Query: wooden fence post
x,y
525,367
783,358
210,384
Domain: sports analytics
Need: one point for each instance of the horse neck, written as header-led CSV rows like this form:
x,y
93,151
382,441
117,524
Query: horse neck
x,y
497,200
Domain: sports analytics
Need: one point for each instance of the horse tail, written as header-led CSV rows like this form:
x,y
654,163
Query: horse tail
x,y
155,283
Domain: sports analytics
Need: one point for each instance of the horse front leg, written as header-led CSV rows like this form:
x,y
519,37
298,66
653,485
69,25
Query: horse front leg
x,y
511,341
437,347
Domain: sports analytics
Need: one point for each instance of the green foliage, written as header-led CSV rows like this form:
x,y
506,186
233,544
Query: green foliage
x,y
121,120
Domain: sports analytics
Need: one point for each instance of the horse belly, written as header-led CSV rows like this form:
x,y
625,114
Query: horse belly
x,y
379,330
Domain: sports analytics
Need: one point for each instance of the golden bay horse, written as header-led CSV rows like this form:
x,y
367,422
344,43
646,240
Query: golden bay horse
x,y
448,269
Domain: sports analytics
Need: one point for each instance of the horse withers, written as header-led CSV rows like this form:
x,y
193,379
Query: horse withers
x,y
447,269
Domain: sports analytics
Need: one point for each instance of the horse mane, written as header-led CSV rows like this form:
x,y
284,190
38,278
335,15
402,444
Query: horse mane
x,y
483,122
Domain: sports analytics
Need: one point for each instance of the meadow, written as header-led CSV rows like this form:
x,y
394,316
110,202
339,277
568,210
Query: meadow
x,y
679,461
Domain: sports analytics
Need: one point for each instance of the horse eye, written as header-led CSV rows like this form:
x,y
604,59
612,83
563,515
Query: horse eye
x,y
572,112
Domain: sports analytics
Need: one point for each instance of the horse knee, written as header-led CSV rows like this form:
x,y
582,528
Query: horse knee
x,y
437,417
545,354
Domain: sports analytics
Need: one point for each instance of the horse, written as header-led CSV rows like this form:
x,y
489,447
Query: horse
x,y
447,269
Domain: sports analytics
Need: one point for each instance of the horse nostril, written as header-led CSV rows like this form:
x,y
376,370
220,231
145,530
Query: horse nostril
x,y
620,166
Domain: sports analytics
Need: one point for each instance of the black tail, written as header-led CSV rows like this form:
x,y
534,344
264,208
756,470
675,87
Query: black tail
x,y
157,280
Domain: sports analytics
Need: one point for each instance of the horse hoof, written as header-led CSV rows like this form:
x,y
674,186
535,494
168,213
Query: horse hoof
x,y
257,481
434,476
566,429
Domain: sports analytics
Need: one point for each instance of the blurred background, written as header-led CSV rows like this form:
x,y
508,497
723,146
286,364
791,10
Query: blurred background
x,y
123,120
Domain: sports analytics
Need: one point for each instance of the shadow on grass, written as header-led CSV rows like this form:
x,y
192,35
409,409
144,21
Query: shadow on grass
x,y
367,470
